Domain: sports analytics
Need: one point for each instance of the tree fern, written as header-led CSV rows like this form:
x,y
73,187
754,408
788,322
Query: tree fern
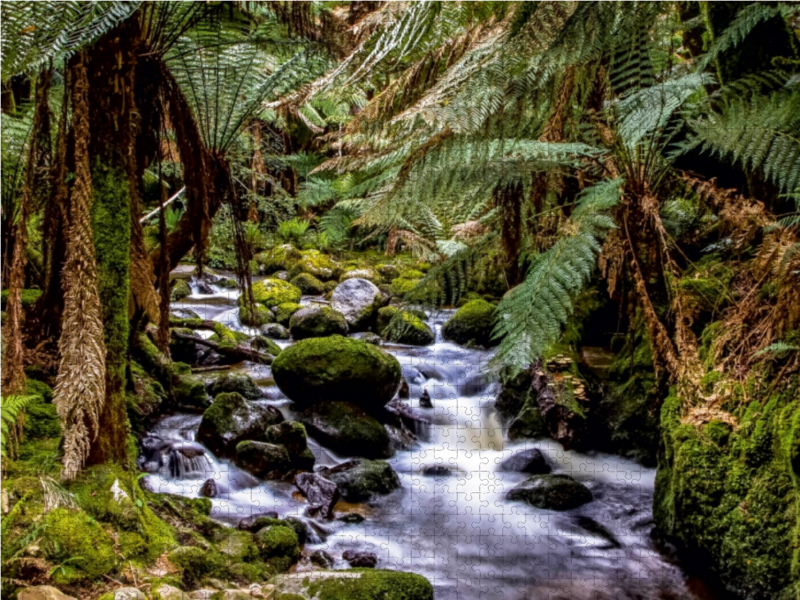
x,y
530,316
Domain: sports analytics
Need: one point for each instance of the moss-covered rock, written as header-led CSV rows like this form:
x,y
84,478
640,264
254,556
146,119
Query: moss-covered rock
x,y
361,479
28,298
241,383
353,584
278,544
388,272
273,292
730,496
404,327
180,290
78,544
262,459
265,344
232,419
553,492
260,316
317,321
358,300
347,429
308,284
276,331
317,264
277,259
400,287
284,312
411,274
367,274
292,436
337,368
471,324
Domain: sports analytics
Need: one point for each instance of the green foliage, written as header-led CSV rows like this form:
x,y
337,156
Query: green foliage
x,y
11,409
293,230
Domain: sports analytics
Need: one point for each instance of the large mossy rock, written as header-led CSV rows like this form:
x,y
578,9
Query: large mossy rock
x,y
262,459
231,419
308,284
730,494
284,312
472,324
317,321
361,479
278,544
258,317
400,286
292,436
337,368
278,259
241,383
404,327
180,290
358,300
353,584
273,292
552,492
345,428
317,264
76,537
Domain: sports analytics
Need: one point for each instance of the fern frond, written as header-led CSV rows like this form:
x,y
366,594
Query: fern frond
x,y
11,409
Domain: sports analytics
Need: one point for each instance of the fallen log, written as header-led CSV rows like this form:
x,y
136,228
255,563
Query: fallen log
x,y
237,351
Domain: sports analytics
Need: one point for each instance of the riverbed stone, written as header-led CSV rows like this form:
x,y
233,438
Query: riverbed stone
x,y
278,544
260,316
365,585
317,321
273,292
292,436
231,419
275,331
180,290
471,324
358,300
284,312
361,479
337,368
308,284
530,461
403,327
262,459
347,429
553,492
321,493
360,560
241,383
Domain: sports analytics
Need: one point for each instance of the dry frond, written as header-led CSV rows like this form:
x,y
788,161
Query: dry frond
x,y
467,231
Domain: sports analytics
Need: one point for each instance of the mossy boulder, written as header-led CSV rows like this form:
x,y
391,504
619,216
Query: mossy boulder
x,y
361,479
79,543
317,321
284,312
277,259
292,436
258,317
276,331
411,274
265,344
28,297
180,290
241,383
552,492
471,324
337,368
347,429
404,327
317,264
400,287
278,544
273,292
308,284
388,272
367,274
187,391
262,459
358,300
353,584
231,419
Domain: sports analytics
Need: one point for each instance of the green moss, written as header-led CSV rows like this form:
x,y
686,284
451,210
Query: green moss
x,y
317,264
262,316
472,323
318,321
400,287
180,290
528,423
28,298
278,544
41,419
285,311
373,584
308,284
77,541
347,429
281,258
406,327
273,292
240,383
412,274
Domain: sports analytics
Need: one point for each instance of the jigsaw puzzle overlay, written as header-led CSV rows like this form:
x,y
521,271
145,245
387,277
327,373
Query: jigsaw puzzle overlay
x,y
453,499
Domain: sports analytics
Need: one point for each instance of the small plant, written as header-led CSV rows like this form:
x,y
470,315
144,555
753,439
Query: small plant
x,y
293,230
12,409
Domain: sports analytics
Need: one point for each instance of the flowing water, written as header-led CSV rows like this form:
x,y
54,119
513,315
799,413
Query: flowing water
x,y
456,530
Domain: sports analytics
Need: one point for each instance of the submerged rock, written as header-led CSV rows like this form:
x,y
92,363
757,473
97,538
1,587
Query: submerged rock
x,y
337,368
360,480
437,471
209,489
553,492
322,494
232,419
347,429
317,321
358,300
320,558
471,324
527,461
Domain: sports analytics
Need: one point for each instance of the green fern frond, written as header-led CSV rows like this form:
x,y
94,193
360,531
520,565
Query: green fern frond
x,y
11,408
778,348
